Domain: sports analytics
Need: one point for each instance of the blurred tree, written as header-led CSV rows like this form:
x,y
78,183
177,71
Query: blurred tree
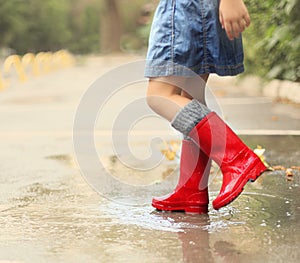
x,y
11,20
34,25
84,24
122,23
136,24
48,24
110,27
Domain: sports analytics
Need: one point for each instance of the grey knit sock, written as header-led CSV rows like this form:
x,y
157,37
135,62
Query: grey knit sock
x,y
189,116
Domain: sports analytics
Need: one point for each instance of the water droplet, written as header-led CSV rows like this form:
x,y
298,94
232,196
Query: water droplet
x,y
287,202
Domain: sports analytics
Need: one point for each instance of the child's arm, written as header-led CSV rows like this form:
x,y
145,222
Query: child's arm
x,y
234,17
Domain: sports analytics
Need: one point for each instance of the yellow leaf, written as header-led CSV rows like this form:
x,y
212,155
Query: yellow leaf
x,y
259,151
289,172
170,155
171,148
175,145
279,167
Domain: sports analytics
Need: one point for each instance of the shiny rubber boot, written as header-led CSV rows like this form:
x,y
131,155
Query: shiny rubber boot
x,y
238,163
191,193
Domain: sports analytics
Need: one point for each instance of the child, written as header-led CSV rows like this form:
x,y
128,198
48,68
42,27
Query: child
x,y
205,37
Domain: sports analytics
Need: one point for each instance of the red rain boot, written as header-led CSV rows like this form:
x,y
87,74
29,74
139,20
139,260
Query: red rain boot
x,y
238,163
190,194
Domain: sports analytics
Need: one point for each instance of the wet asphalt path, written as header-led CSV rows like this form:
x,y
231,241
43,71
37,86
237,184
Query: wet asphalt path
x,y
49,213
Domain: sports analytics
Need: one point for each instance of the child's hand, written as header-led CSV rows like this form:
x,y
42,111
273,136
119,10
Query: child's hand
x,y
234,17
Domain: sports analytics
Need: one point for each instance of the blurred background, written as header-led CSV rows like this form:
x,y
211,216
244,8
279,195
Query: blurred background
x,y
272,42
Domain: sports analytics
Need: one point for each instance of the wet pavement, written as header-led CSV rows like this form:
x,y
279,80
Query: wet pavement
x,y
49,212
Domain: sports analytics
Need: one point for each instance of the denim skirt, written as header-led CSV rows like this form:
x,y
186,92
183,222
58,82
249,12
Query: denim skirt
x,y
186,35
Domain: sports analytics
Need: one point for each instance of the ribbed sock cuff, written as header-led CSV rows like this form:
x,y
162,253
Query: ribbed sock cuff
x,y
189,116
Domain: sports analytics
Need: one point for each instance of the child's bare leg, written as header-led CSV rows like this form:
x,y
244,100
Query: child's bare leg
x,y
166,97
200,91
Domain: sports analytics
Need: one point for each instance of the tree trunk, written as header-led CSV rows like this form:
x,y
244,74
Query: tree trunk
x,y
110,28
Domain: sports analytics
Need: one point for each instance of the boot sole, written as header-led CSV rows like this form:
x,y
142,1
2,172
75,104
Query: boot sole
x,y
255,171
187,209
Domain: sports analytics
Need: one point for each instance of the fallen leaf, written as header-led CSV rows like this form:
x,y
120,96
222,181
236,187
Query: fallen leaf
x,y
171,149
289,172
175,145
170,155
278,168
259,151
296,168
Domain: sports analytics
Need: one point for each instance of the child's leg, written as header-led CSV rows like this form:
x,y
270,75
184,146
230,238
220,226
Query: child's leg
x,y
200,92
193,119
167,95
165,98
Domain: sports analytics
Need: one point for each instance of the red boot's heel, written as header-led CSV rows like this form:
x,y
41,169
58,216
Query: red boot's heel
x,y
191,193
256,171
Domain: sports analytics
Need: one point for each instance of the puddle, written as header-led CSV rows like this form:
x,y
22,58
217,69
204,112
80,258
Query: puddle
x,y
63,220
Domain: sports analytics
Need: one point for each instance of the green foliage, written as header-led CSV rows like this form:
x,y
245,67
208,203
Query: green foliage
x,y
47,26
272,43
85,30
35,25
12,20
